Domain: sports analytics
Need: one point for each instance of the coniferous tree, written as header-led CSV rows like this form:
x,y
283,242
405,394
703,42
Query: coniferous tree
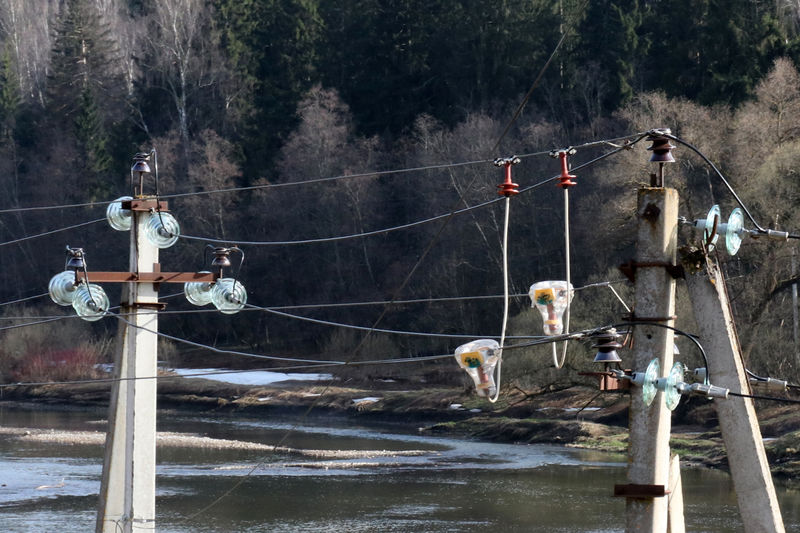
x,y
84,57
85,94
273,45
9,96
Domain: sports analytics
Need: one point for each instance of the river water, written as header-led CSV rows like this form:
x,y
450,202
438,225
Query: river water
x,y
448,485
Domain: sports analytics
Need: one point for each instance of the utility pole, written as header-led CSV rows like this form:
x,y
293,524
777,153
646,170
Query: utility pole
x,y
127,490
649,454
656,245
755,492
795,326
128,486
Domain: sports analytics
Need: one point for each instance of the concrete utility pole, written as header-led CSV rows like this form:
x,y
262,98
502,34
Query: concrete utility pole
x,y
649,454
744,445
128,486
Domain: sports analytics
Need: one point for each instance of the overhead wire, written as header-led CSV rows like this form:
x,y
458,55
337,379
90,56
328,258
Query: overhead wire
x,y
759,397
395,294
26,299
51,232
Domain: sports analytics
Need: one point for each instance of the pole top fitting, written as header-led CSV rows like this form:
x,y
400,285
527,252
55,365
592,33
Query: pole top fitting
x,y
507,188
661,147
565,180
75,259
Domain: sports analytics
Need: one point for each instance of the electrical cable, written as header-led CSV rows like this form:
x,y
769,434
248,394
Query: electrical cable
x,y
51,232
222,351
380,330
769,398
159,377
345,237
767,379
396,293
638,137
530,92
689,336
258,187
25,299
317,180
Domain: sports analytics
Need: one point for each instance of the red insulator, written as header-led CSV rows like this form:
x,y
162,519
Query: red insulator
x,y
508,187
565,180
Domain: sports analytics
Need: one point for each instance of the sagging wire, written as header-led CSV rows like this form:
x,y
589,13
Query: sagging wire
x,y
223,351
405,281
689,336
768,398
20,300
51,232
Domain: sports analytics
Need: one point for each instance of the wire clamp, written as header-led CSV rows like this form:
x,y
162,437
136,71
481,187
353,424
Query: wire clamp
x,y
629,268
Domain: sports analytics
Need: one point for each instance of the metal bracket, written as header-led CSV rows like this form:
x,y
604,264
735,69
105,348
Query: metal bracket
x,y
608,383
629,268
633,318
641,492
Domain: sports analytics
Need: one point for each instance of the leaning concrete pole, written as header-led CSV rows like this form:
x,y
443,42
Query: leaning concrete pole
x,y
738,424
128,486
649,455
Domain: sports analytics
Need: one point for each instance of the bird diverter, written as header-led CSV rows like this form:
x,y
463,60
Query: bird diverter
x,y
551,298
479,359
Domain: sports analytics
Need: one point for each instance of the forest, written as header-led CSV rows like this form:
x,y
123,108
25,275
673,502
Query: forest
x,y
292,127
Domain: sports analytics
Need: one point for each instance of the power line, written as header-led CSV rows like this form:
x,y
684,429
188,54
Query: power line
x,y
768,398
453,212
377,173
29,237
25,299
223,351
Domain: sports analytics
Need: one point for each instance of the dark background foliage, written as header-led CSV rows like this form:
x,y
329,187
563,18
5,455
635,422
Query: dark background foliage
x,y
239,93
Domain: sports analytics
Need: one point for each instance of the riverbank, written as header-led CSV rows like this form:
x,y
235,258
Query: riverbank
x,y
576,417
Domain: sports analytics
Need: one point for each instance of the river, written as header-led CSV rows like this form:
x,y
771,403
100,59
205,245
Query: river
x,y
417,483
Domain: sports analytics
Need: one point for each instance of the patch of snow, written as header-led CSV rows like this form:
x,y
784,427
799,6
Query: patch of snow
x,y
455,406
255,377
369,399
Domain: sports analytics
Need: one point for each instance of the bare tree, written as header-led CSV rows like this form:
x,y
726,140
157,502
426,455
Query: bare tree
x,y
185,57
26,28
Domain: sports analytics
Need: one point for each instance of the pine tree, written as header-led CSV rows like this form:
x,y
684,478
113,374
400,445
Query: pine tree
x,y
273,45
9,96
84,57
91,134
